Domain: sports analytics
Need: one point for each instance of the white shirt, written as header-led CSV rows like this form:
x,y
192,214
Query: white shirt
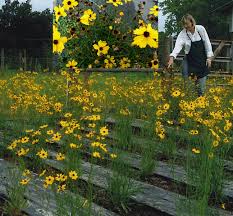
x,y
184,41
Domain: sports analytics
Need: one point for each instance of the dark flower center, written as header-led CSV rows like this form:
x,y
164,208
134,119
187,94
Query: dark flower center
x,y
69,2
146,34
55,42
101,48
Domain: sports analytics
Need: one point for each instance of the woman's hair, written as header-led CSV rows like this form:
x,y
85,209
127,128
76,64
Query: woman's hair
x,y
188,17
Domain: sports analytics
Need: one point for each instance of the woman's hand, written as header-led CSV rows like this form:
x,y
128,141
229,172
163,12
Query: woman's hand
x,y
170,62
208,62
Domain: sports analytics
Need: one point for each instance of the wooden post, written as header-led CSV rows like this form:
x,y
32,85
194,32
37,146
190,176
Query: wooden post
x,y
2,59
25,60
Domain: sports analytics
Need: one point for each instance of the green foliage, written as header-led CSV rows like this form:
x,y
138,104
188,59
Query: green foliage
x,y
119,38
203,11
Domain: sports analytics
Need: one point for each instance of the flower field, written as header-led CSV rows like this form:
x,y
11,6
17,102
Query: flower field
x,y
122,143
132,143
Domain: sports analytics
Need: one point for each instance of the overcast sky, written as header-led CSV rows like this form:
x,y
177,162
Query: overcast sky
x,y
37,5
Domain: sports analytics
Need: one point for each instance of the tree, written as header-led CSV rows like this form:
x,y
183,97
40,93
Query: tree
x,y
214,22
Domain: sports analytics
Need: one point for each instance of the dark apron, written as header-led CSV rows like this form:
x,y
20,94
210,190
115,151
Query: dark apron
x,y
196,59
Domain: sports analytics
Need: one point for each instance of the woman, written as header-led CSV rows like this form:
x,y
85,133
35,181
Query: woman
x,y
198,52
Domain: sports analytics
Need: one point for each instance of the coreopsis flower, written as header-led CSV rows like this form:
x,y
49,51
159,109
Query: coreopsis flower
x,y
96,154
42,154
73,175
193,132
59,11
154,64
71,64
60,156
196,151
101,47
154,10
48,181
61,188
22,152
24,139
116,3
125,62
166,106
24,181
68,115
58,107
146,35
176,93
87,17
109,62
43,126
26,172
61,177
56,136
58,42
50,132
69,4
104,131
113,156
121,13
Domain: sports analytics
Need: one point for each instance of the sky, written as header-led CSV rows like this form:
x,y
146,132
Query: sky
x,y
37,5
162,19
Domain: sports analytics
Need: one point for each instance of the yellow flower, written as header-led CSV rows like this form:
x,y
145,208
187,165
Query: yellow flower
x,y
69,4
96,154
193,132
223,206
58,42
215,143
56,136
116,3
113,156
22,152
26,172
104,131
24,181
42,154
71,64
121,13
24,139
61,177
48,181
176,93
166,106
146,35
154,10
101,47
60,156
35,141
196,151
87,17
73,175
43,126
50,132
59,11
61,187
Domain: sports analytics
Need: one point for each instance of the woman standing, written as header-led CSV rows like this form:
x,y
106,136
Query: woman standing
x,y
198,52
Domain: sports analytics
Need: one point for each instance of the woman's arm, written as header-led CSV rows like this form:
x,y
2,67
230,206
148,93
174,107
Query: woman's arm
x,y
178,45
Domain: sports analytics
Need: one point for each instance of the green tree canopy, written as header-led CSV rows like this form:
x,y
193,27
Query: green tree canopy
x,y
202,10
